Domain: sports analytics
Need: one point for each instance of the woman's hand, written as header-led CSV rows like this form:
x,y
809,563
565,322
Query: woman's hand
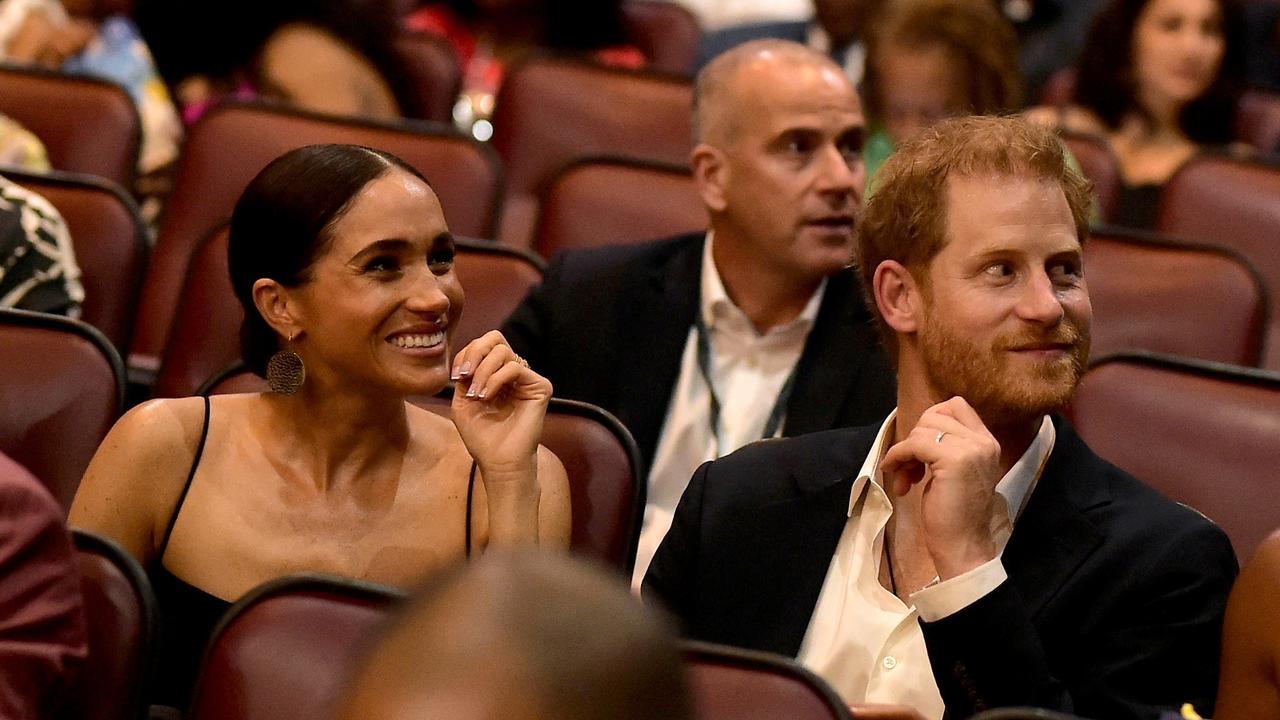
x,y
498,407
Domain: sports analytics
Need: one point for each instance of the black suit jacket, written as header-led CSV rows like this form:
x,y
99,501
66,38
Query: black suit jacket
x,y
1113,606
608,326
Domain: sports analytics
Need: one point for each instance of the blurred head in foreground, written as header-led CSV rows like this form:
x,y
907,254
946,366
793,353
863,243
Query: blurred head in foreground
x,y
516,636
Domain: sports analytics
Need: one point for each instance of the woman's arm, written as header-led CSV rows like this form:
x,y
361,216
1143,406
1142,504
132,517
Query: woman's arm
x,y
1249,681
498,408
132,485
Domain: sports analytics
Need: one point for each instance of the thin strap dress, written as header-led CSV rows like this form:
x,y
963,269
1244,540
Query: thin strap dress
x,y
188,614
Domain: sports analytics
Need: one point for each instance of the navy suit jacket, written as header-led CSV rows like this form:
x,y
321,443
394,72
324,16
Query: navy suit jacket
x,y
608,326
1113,607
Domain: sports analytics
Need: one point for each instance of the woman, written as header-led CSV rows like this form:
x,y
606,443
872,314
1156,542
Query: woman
x,y
343,263
1159,79
1249,686
928,60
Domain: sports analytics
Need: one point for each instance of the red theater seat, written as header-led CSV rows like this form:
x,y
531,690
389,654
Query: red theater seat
x,y
666,32
1204,434
61,389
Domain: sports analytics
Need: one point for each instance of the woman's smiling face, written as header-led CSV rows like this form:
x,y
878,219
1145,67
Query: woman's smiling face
x,y
382,297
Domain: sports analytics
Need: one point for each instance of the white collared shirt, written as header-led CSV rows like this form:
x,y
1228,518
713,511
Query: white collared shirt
x,y
717,14
864,640
748,370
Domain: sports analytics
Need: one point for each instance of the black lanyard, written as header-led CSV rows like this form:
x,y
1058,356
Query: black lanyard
x,y
704,364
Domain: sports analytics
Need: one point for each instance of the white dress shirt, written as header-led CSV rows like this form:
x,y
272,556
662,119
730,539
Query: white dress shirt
x,y
864,640
716,14
748,369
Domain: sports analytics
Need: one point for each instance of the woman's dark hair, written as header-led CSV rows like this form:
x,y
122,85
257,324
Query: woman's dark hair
x,y
283,221
570,25
1106,85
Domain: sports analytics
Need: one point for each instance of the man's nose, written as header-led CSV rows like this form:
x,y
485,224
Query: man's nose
x,y
841,174
1039,301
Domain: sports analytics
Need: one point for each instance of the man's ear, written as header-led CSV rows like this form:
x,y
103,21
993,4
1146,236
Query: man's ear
x,y
898,297
277,307
709,174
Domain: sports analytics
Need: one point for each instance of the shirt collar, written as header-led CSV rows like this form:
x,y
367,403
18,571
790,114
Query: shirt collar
x,y
714,300
1015,487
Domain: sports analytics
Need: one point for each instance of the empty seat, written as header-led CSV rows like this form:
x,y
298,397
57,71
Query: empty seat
x,y
87,125
121,616
61,388
616,201
206,332
109,238
666,32
733,684
1099,164
1204,434
1258,119
1150,293
232,143
599,455
551,112
1234,204
432,75
285,649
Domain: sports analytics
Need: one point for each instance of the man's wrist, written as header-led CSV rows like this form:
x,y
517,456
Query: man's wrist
x,y
959,557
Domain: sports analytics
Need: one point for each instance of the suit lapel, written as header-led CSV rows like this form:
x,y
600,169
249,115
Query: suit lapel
x,y
834,358
656,313
1054,536
796,538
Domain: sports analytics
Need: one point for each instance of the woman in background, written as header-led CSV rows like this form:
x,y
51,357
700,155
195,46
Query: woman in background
x,y
928,60
1159,80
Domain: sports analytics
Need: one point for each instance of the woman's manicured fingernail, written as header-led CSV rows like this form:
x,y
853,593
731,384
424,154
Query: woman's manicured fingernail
x,y
465,369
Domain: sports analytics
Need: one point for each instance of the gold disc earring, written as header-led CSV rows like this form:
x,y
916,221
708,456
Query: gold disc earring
x,y
285,371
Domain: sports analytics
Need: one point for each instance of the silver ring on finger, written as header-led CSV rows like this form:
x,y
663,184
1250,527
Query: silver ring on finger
x,y
938,438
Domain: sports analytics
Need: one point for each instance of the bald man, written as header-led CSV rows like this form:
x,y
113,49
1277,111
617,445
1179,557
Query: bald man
x,y
522,636
703,343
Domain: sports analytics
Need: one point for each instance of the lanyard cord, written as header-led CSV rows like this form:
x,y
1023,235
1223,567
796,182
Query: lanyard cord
x,y
704,364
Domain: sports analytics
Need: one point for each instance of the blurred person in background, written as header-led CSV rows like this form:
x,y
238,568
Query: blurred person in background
x,y
1160,81
38,270
928,60
489,36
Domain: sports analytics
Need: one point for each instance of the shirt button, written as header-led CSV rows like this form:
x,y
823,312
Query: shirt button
x,y
890,662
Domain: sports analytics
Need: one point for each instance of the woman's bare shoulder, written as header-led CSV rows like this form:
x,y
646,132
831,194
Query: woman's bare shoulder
x,y
1072,118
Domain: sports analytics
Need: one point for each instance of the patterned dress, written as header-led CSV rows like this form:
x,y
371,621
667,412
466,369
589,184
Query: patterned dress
x,y
38,269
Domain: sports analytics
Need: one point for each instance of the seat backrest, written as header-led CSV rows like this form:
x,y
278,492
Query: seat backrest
x,y
553,111
232,143
122,617
61,388
1099,164
109,239
666,32
432,74
599,455
286,649
87,125
206,334
733,684
1203,434
616,201
1234,204
1150,293
1258,119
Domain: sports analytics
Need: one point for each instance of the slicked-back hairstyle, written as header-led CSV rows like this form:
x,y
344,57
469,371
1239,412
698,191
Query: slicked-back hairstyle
x,y
975,36
1105,81
906,219
712,89
565,637
283,222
